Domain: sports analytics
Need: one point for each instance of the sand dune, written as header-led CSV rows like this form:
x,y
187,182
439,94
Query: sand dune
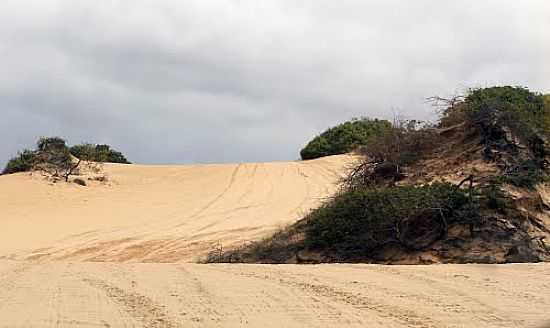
x,y
52,237
159,213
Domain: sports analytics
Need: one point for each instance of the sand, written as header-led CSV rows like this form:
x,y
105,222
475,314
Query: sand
x,y
119,254
79,294
159,213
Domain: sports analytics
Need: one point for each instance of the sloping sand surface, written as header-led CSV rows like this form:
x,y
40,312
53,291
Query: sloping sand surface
x,y
53,236
159,213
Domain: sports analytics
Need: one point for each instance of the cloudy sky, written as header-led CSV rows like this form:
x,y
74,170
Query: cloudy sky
x,y
189,81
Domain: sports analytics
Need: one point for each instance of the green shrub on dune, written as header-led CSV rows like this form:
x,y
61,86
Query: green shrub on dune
x,y
356,222
344,137
99,153
23,162
54,151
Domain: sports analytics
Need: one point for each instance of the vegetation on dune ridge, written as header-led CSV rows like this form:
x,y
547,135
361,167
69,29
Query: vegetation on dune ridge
x,y
53,157
396,207
99,153
365,218
344,137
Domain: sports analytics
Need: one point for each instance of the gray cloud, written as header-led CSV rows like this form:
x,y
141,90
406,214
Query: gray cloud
x,y
221,81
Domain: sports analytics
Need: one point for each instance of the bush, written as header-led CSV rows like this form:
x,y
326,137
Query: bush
x,y
52,144
98,153
521,110
51,155
401,145
514,124
358,221
55,159
389,152
23,162
344,138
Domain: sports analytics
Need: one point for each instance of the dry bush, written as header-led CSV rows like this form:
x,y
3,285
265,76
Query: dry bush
x,y
385,156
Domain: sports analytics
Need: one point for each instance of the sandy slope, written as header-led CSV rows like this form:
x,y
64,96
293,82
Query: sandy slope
x,y
79,294
158,213
53,235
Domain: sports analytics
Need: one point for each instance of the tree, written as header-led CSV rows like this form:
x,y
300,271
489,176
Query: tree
x,y
54,158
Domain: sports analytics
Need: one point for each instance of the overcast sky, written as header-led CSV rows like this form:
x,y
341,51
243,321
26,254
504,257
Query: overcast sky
x,y
232,81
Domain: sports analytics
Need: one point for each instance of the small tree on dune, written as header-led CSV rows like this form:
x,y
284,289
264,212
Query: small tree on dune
x,y
54,159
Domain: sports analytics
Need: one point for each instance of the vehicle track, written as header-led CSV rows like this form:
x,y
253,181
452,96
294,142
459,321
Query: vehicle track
x,y
85,294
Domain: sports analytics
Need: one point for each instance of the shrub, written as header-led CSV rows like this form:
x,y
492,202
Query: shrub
x,y
389,152
513,123
53,157
360,220
98,153
401,145
344,137
521,110
52,144
23,162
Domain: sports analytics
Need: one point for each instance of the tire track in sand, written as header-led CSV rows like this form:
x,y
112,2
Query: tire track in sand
x,y
406,317
140,307
219,196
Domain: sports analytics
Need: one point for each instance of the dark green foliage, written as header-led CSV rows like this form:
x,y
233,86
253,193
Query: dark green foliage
x,y
98,153
360,220
51,144
521,110
51,155
344,137
23,162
